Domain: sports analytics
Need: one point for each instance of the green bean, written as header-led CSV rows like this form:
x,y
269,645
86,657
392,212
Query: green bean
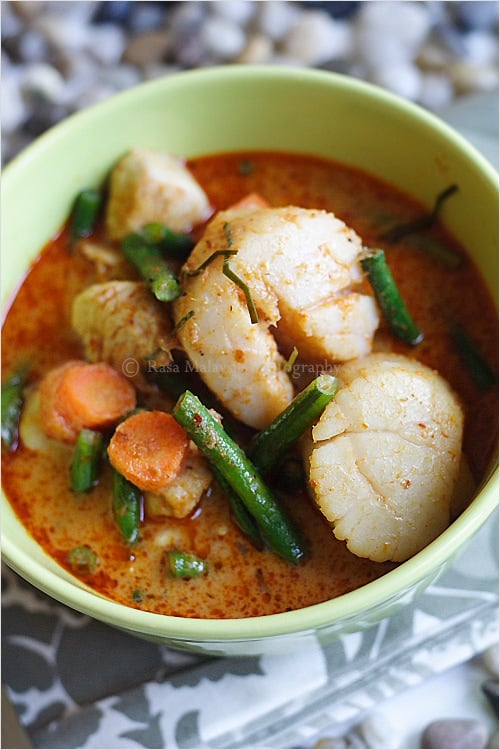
x,y
389,298
83,561
12,405
244,520
230,461
185,565
85,213
479,369
152,266
87,460
175,245
127,507
271,444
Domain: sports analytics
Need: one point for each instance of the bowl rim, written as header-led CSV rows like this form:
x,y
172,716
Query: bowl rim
x,y
355,604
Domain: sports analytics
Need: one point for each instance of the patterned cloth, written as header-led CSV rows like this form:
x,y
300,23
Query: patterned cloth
x,y
77,683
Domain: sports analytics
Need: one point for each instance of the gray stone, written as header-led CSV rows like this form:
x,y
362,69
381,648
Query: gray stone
x,y
465,734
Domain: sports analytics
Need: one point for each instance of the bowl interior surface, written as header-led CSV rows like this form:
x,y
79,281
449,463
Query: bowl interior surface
x,y
232,109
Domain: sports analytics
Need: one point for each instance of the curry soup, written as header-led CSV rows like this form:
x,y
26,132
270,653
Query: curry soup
x,y
242,581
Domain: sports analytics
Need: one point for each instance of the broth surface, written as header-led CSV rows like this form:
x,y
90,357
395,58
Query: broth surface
x,y
242,581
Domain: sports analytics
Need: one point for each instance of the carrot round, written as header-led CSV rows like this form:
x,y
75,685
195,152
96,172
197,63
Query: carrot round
x,y
149,449
78,394
96,395
55,419
251,200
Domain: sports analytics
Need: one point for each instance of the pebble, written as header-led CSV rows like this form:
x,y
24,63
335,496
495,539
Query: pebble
x,y
490,659
14,111
480,47
330,743
403,79
317,38
239,11
436,91
276,18
32,47
379,732
42,81
477,15
258,50
106,43
222,38
148,47
466,734
468,77
431,53
390,37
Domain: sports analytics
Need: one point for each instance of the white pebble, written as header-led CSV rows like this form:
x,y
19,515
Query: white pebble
x,y
239,11
480,47
32,47
491,660
13,108
468,78
42,80
379,732
222,38
258,50
330,743
388,35
11,23
106,43
436,91
63,31
403,79
277,17
317,38
27,9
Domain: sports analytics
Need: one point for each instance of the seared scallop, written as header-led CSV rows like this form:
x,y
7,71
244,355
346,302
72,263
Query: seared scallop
x,y
384,457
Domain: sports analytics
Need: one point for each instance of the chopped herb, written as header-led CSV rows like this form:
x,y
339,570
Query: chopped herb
x,y
184,565
423,222
137,595
229,233
479,369
83,560
209,260
246,167
173,333
252,310
288,366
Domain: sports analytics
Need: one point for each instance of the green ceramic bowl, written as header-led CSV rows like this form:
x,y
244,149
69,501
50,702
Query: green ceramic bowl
x,y
227,109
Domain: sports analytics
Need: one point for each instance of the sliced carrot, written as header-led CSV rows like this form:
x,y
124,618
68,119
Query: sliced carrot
x,y
252,200
78,394
55,420
96,395
149,449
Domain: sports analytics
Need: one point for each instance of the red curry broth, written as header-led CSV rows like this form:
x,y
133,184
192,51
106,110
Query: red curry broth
x,y
242,581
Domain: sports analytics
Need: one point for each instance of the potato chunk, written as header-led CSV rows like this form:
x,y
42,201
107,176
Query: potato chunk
x,y
121,323
148,186
182,495
385,456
